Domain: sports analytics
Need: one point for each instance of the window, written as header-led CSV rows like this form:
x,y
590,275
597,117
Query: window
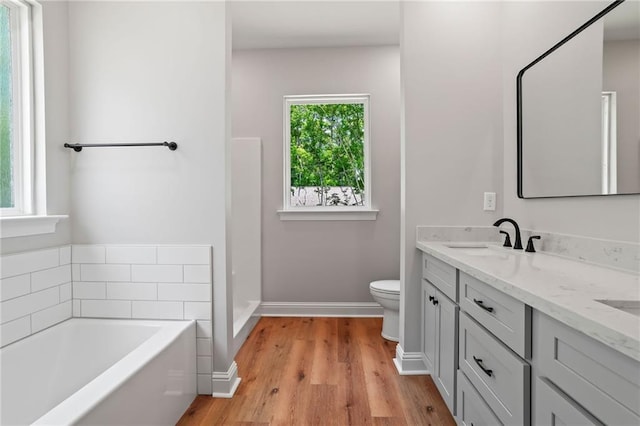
x,y
326,154
16,109
22,154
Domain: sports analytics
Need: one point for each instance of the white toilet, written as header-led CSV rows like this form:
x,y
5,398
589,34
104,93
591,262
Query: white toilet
x,y
387,294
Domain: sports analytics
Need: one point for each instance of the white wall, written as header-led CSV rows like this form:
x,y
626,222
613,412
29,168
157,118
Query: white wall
x,y
452,143
56,86
326,261
530,28
246,241
147,72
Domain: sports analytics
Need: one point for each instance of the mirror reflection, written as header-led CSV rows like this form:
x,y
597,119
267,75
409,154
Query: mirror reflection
x,y
579,112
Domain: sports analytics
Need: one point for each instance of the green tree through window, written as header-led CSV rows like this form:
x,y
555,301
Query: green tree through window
x,y
6,110
327,153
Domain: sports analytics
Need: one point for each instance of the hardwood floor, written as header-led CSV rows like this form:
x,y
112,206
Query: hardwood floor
x,y
321,371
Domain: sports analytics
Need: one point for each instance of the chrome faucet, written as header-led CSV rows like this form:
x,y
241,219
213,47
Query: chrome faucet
x,y
518,243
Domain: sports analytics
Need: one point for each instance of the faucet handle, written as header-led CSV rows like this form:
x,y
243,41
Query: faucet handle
x,y
507,239
530,248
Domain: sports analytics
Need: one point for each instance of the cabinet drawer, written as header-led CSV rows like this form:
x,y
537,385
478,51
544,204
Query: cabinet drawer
x,y
552,407
500,376
442,275
604,381
472,410
507,318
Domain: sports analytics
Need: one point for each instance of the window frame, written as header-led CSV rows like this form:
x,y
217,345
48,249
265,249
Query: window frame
x,y
318,212
23,123
31,217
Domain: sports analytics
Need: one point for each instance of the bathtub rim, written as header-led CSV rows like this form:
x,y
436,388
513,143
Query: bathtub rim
x,y
82,401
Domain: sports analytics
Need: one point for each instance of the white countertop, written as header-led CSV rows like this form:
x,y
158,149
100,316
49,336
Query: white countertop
x,y
564,289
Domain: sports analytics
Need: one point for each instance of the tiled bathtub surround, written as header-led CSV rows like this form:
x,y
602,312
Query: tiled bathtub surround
x,y
147,282
35,292
621,255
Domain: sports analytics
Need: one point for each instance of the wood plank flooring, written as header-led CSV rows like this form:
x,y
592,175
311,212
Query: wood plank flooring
x,y
321,371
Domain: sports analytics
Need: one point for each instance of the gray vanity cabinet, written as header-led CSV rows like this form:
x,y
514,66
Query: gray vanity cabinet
x,y
595,378
440,327
553,407
429,325
472,409
499,375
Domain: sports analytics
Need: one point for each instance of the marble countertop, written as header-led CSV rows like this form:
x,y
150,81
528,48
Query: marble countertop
x,y
566,290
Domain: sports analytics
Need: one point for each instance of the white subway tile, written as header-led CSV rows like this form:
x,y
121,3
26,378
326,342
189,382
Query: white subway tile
x,y
204,364
184,255
22,263
157,310
197,310
24,305
116,273
204,329
156,273
76,308
50,277
15,330
205,384
75,272
87,254
106,308
50,316
15,286
185,292
65,255
132,291
203,347
89,290
65,292
197,274
131,254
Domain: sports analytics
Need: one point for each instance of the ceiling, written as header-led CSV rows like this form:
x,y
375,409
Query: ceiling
x,y
319,23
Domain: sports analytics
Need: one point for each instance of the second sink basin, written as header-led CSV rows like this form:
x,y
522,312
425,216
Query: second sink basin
x,y
629,306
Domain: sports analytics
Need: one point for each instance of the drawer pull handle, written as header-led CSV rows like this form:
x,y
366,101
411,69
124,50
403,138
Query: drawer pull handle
x,y
431,298
481,304
435,301
486,370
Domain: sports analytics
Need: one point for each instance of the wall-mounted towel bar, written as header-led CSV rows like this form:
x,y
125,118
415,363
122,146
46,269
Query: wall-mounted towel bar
x,y
77,147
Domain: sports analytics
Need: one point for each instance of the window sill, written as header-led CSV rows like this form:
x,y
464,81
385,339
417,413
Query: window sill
x,y
328,214
22,226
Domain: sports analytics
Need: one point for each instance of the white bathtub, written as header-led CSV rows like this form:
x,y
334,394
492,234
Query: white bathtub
x,y
95,371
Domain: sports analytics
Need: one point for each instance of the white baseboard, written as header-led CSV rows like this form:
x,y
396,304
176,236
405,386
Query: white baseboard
x,y
409,363
328,309
241,336
224,384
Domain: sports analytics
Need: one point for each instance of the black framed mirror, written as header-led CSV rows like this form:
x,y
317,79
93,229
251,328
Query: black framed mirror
x,y
578,110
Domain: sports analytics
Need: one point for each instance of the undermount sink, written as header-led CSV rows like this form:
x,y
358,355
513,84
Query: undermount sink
x,y
475,249
466,245
629,306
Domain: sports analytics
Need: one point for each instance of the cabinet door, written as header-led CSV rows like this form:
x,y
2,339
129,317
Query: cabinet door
x,y
553,408
447,350
429,325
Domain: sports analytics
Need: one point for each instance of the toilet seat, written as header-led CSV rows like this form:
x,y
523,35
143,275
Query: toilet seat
x,y
391,287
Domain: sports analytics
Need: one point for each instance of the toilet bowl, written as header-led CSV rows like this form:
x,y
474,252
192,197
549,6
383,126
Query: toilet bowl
x,y
387,294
